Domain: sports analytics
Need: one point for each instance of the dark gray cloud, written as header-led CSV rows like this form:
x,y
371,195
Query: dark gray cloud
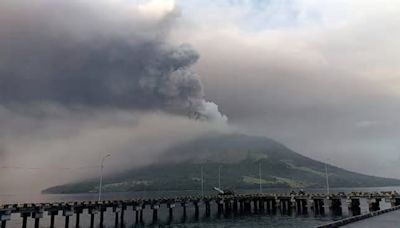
x,y
325,84
76,54
83,78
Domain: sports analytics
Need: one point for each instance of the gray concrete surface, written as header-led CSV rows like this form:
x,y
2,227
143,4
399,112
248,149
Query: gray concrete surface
x,y
388,220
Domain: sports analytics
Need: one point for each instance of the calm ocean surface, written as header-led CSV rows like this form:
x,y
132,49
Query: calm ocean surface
x,y
258,220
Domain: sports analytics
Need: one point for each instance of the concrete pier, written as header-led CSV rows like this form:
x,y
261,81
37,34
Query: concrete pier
x,y
222,205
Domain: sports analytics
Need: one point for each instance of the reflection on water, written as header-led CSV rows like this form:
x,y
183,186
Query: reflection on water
x,y
260,219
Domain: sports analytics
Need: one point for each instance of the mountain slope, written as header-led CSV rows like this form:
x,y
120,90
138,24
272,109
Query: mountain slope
x,y
239,157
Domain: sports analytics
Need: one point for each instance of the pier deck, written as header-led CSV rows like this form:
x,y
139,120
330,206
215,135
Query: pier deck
x,y
299,203
388,220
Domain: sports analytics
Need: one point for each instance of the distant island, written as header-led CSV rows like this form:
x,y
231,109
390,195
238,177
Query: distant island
x,y
239,156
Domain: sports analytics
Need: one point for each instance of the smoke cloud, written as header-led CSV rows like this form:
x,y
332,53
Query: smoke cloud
x,y
98,54
83,78
52,144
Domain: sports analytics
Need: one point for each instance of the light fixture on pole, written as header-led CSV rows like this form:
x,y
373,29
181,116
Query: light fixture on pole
x,y
259,176
101,173
202,182
327,179
219,176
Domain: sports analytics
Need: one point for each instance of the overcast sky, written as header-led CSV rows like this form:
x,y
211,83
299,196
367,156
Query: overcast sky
x,y
320,76
82,78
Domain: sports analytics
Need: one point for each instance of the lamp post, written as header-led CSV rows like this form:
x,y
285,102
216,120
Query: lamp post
x,y
259,176
219,176
101,173
327,179
202,182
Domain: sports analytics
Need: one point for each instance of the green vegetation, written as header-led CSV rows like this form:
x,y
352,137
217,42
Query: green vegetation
x,y
239,156
293,183
253,180
305,169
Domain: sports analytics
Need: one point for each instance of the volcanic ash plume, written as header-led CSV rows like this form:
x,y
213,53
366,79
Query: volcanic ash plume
x,y
97,54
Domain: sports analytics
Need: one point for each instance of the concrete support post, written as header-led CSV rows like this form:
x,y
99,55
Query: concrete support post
x,y
247,206
228,206
91,220
67,212
155,208
291,205
123,208
136,217
208,208
37,220
24,216
304,206
78,211
52,214
255,206
394,202
261,205
92,211
220,207
196,209
5,215
319,206
275,204
354,206
141,216
373,204
137,209
37,215
235,206
241,206
66,221
298,205
171,207
184,204
77,221
102,210
282,206
116,210
268,206
336,206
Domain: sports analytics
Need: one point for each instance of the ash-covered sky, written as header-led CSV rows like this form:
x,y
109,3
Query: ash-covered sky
x,y
81,78
321,76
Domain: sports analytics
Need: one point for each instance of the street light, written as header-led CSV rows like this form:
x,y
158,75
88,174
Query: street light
x,y
219,176
259,176
327,179
202,182
101,173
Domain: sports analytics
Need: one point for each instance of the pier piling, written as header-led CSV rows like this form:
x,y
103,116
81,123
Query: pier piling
x,y
226,205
